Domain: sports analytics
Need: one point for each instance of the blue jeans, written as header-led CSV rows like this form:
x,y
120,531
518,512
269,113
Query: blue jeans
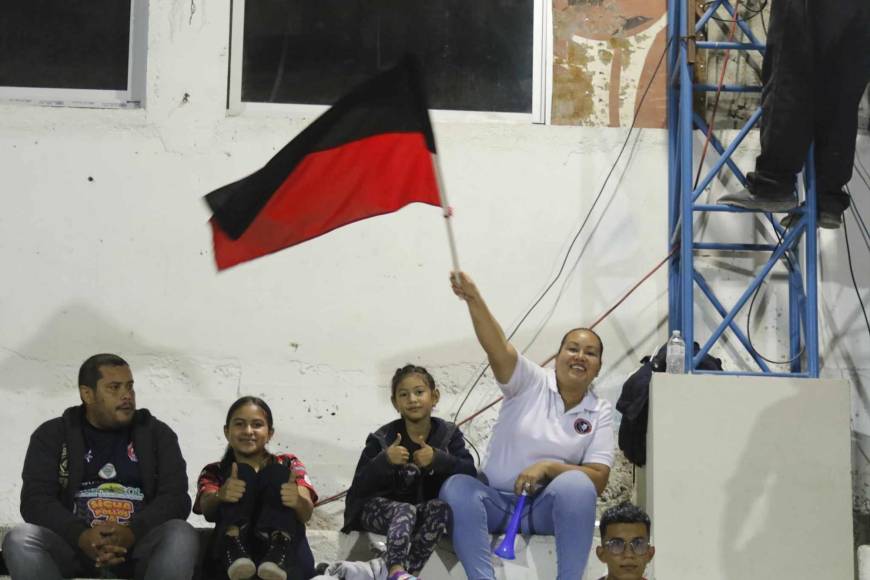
x,y
565,508
167,552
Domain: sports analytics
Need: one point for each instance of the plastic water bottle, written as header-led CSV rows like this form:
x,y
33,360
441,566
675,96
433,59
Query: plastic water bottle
x,y
675,359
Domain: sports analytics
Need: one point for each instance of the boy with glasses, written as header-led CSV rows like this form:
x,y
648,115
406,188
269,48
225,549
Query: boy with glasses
x,y
625,546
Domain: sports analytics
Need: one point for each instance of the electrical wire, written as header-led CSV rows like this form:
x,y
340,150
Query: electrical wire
x,y
752,11
473,448
719,87
862,227
592,326
860,221
580,230
749,333
342,494
618,303
861,171
852,274
791,266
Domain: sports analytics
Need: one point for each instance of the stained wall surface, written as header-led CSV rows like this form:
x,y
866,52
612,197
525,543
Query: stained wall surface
x,y
106,247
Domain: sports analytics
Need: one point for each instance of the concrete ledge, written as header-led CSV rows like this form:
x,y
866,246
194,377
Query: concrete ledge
x,y
535,555
535,558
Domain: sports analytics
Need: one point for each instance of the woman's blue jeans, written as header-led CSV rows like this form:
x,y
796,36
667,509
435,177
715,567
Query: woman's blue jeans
x,y
565,508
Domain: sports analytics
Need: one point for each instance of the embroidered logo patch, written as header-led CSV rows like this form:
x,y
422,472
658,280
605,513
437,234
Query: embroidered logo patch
x,y
583,426
107,471
131,453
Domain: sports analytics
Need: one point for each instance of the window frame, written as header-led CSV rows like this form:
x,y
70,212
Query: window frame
x,y
542,84
133,97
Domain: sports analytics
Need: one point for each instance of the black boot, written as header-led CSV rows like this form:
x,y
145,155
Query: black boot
x,y
238,562
274,564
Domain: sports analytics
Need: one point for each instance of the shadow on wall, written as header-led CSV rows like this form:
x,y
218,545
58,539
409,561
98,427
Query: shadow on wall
x,y
764,507
188,392
48,363
861,487
40,376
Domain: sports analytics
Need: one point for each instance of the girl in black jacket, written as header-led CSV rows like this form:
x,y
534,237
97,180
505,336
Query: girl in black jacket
x,y
396,483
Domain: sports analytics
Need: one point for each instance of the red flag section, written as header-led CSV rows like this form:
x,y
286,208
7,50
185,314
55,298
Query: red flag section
x,y
370,154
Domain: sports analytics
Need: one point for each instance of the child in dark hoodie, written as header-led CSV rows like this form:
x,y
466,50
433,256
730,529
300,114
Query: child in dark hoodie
x,y
396,483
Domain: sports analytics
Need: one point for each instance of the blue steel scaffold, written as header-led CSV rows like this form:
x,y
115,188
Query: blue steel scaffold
x,y
685,280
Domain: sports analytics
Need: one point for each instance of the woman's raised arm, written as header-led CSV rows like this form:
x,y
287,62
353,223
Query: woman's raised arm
x,y
502,355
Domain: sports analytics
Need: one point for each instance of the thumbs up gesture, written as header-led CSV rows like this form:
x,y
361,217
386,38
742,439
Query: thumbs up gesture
x,y
424,456
396,454
290,492
233,488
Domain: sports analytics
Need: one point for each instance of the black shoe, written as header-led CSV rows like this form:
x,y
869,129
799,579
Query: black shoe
x,y
274,563
827,219
238,562
748,200
321,569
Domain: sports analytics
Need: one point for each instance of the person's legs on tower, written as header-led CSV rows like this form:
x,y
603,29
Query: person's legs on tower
x,y
844,30
786,119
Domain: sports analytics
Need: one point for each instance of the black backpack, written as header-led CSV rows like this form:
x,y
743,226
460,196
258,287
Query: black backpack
x,y
633,402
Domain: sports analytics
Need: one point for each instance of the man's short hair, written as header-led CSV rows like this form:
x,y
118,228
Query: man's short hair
x,y
89,372
624,513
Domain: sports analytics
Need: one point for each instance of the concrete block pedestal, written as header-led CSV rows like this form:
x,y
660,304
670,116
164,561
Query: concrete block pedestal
x,y
749,478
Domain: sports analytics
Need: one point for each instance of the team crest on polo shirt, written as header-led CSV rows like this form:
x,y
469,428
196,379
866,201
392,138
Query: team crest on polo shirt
x,y
583,426
131,453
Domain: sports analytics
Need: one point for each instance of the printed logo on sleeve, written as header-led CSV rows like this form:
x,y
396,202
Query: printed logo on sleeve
x,y
583,426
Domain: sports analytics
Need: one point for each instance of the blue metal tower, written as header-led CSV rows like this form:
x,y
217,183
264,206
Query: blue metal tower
x,y
798,241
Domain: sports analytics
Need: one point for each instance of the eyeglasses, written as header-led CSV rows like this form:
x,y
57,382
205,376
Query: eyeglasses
x,y
616,546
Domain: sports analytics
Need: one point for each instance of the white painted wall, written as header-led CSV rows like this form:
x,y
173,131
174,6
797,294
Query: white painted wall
x,y
105,247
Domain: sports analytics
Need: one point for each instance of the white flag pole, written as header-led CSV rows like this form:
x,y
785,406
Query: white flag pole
x,y
448,211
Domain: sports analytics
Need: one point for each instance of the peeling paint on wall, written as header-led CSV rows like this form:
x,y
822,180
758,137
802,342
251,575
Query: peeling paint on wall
x,y
604,55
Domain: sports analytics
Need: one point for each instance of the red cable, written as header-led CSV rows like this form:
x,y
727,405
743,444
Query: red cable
x,y
718,93
331,498
593,325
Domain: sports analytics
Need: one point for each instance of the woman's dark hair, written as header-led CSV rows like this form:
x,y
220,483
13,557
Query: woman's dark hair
x,y
589,330
229,456
410,369
624,513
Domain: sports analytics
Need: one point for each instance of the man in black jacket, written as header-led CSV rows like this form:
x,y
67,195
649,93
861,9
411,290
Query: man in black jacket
x,y
105,488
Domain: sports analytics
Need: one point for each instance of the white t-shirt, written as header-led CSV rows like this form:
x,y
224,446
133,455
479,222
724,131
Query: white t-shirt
x,y
533,426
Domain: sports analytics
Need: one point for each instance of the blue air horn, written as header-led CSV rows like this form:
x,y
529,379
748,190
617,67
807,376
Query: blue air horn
x,y
505,550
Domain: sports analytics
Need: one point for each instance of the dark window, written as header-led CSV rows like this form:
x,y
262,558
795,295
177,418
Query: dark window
x,y
476,54
65,44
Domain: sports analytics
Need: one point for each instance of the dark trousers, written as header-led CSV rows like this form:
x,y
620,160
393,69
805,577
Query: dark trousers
x,y
260,512
815,69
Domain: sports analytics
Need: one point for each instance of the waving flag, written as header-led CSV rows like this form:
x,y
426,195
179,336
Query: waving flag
x,y
370,154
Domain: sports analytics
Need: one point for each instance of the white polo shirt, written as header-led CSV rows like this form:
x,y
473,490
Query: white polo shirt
x,y
533,426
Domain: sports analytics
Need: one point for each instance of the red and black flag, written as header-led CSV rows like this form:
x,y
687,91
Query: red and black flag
x,y
370,154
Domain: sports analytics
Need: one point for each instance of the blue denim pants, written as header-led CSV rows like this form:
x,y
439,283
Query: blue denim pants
x,y
565,508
